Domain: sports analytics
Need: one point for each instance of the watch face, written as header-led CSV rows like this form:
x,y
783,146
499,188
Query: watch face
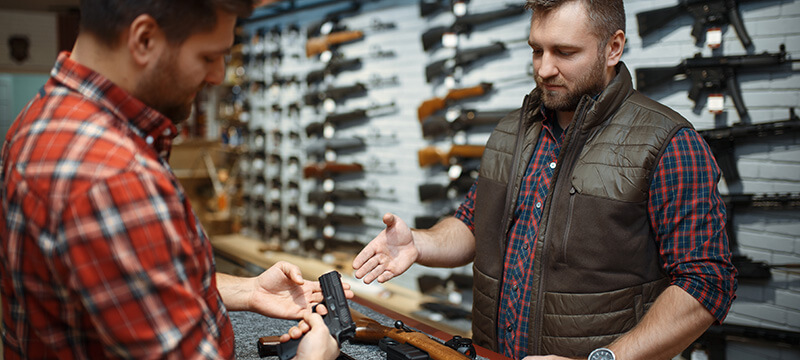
x,y
601,354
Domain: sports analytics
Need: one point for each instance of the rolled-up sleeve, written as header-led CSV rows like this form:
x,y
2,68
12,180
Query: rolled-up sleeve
x,y
687,214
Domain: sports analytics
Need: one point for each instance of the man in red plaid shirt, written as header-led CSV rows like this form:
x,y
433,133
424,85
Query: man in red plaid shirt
x,y
595,227
102,256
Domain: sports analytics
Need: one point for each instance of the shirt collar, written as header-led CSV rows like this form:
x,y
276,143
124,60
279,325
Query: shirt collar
x,y
153,127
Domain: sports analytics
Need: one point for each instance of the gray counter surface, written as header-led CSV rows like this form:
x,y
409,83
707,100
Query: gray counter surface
x,y
248,327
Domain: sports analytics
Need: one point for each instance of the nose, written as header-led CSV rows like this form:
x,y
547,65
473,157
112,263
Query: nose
x,y
547,67
216,74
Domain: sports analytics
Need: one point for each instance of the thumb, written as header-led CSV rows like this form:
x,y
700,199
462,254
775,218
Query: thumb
x,y
313,319
389,219
292,272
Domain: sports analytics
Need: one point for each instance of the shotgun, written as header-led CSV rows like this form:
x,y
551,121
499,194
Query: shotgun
x,y
434,126
320,44
431,155
466,23
430,106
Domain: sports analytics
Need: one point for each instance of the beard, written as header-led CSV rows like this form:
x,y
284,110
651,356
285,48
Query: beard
x,y
164,90
591,84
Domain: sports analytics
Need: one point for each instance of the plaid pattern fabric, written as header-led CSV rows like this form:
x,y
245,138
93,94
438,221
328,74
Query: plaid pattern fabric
x,y
102,256
685,211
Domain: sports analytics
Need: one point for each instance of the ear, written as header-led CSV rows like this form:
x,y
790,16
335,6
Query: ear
x,y
614,48
145,40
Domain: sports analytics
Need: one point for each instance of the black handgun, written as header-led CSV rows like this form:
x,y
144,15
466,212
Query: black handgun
x,y
339,321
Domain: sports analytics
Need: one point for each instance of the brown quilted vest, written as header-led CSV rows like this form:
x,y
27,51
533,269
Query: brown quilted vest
x,y
596,265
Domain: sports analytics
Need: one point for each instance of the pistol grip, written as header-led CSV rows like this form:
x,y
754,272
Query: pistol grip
x,y
288,349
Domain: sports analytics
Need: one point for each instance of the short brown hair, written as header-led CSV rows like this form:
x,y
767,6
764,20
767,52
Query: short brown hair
x,y
605,16
105,19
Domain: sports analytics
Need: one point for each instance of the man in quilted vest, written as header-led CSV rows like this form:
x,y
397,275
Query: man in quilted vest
x,y
595,227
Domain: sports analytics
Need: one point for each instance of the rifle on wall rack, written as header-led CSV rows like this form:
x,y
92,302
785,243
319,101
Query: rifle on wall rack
x,y
465,57
461,120
333,67
430,7
464,24
716,74
713,13
432,155
430,106
722,141
337,119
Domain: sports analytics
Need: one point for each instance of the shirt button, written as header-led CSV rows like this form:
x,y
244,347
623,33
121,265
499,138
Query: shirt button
x,y
149,140
515,288
167,132
539,205
525,246
510,328
553,165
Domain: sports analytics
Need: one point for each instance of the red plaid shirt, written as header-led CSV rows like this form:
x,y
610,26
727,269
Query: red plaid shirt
x,y
102,256
690,235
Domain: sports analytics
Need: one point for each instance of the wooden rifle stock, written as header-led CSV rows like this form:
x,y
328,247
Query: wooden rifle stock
x,y
330,168
430,106
369,331
320,44
432,155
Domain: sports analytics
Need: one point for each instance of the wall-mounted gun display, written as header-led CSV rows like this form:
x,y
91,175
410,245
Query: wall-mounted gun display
x,y
465,24
336,119
326,41
328,169
432,155
460,185
722,141
333,67
460,120
320,147
335,93
443,67
431,106
716,74
714,13
323,43
747,268
430,7
358,89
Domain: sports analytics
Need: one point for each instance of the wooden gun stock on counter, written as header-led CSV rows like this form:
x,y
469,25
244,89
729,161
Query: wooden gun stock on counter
x,y
369,331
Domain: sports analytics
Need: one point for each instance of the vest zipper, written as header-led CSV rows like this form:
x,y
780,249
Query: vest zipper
x,y
568,225
539,308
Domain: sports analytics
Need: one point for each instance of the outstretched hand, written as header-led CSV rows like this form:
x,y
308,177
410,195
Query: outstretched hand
x,y
390,254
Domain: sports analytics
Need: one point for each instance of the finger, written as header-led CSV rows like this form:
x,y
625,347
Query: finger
x,y
377,271
349,294
374,269
292,271
313,319
321,309
362,257
285,338
385,276
389,219
303,326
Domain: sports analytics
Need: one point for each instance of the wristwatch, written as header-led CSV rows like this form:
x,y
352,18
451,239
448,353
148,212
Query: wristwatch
x,y
602,354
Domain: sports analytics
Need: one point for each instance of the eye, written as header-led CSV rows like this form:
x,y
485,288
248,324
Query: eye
x,y
566,53
537,52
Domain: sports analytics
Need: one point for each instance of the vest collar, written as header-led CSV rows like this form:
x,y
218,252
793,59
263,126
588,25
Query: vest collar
x,y
598,110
